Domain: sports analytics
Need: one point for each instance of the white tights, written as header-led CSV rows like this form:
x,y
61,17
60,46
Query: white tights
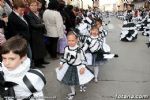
x,y
96,71
72,89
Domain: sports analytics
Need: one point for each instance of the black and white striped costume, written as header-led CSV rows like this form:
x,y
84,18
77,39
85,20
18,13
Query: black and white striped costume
x,y
88,21
143,23
137,20
83,28
130,27
147,32
147,28
73,61
125,1
129,15
99,50
103,33
128,32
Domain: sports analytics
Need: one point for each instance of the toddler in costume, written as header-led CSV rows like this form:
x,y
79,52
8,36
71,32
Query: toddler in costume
x,y
94,45
72,70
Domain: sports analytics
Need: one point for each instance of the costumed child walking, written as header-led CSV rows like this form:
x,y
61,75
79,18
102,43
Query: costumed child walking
x,y
103,32
72,70
94,45
17,80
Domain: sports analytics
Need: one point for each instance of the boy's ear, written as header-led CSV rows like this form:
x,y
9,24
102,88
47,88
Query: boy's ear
x,y
23,58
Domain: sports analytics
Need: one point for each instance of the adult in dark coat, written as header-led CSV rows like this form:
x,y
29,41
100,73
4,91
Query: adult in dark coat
x,y
70,20
17,25
65,15
37,29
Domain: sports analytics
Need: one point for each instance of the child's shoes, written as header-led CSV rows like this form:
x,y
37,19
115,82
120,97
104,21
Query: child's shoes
x,y
95,80
70,96
82,88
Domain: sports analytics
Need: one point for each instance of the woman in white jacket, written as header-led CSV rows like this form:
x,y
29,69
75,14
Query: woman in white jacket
x,y
54,27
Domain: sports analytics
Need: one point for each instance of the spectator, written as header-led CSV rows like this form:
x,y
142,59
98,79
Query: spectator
x,y
17,25
54,27
37,29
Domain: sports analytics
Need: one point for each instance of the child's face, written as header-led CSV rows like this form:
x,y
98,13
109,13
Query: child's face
x,y
98,24
72,40
11,60
94,32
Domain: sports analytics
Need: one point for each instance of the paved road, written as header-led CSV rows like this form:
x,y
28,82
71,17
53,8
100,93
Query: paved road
x,y
128,75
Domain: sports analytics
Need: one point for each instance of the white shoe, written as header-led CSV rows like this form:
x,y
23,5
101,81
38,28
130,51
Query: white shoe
x,y
82,88
96,80
70,96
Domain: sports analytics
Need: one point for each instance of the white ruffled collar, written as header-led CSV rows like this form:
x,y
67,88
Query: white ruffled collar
x,y
73,48
94,37
20,70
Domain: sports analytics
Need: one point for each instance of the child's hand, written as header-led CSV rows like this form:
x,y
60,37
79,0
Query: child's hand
x,y
60,67
82,70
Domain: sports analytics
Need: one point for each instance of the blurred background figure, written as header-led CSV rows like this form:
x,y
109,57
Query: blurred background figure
x,y
54,27
37,31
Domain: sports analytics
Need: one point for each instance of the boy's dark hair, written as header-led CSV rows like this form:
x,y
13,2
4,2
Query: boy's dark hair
x,y
16,44
18,4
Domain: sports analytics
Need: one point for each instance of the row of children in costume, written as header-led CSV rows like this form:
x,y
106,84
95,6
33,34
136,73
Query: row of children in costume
x,y
17,80
73,68
144,27
129,30
143,24
86,42
135,24
85,33
83,25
